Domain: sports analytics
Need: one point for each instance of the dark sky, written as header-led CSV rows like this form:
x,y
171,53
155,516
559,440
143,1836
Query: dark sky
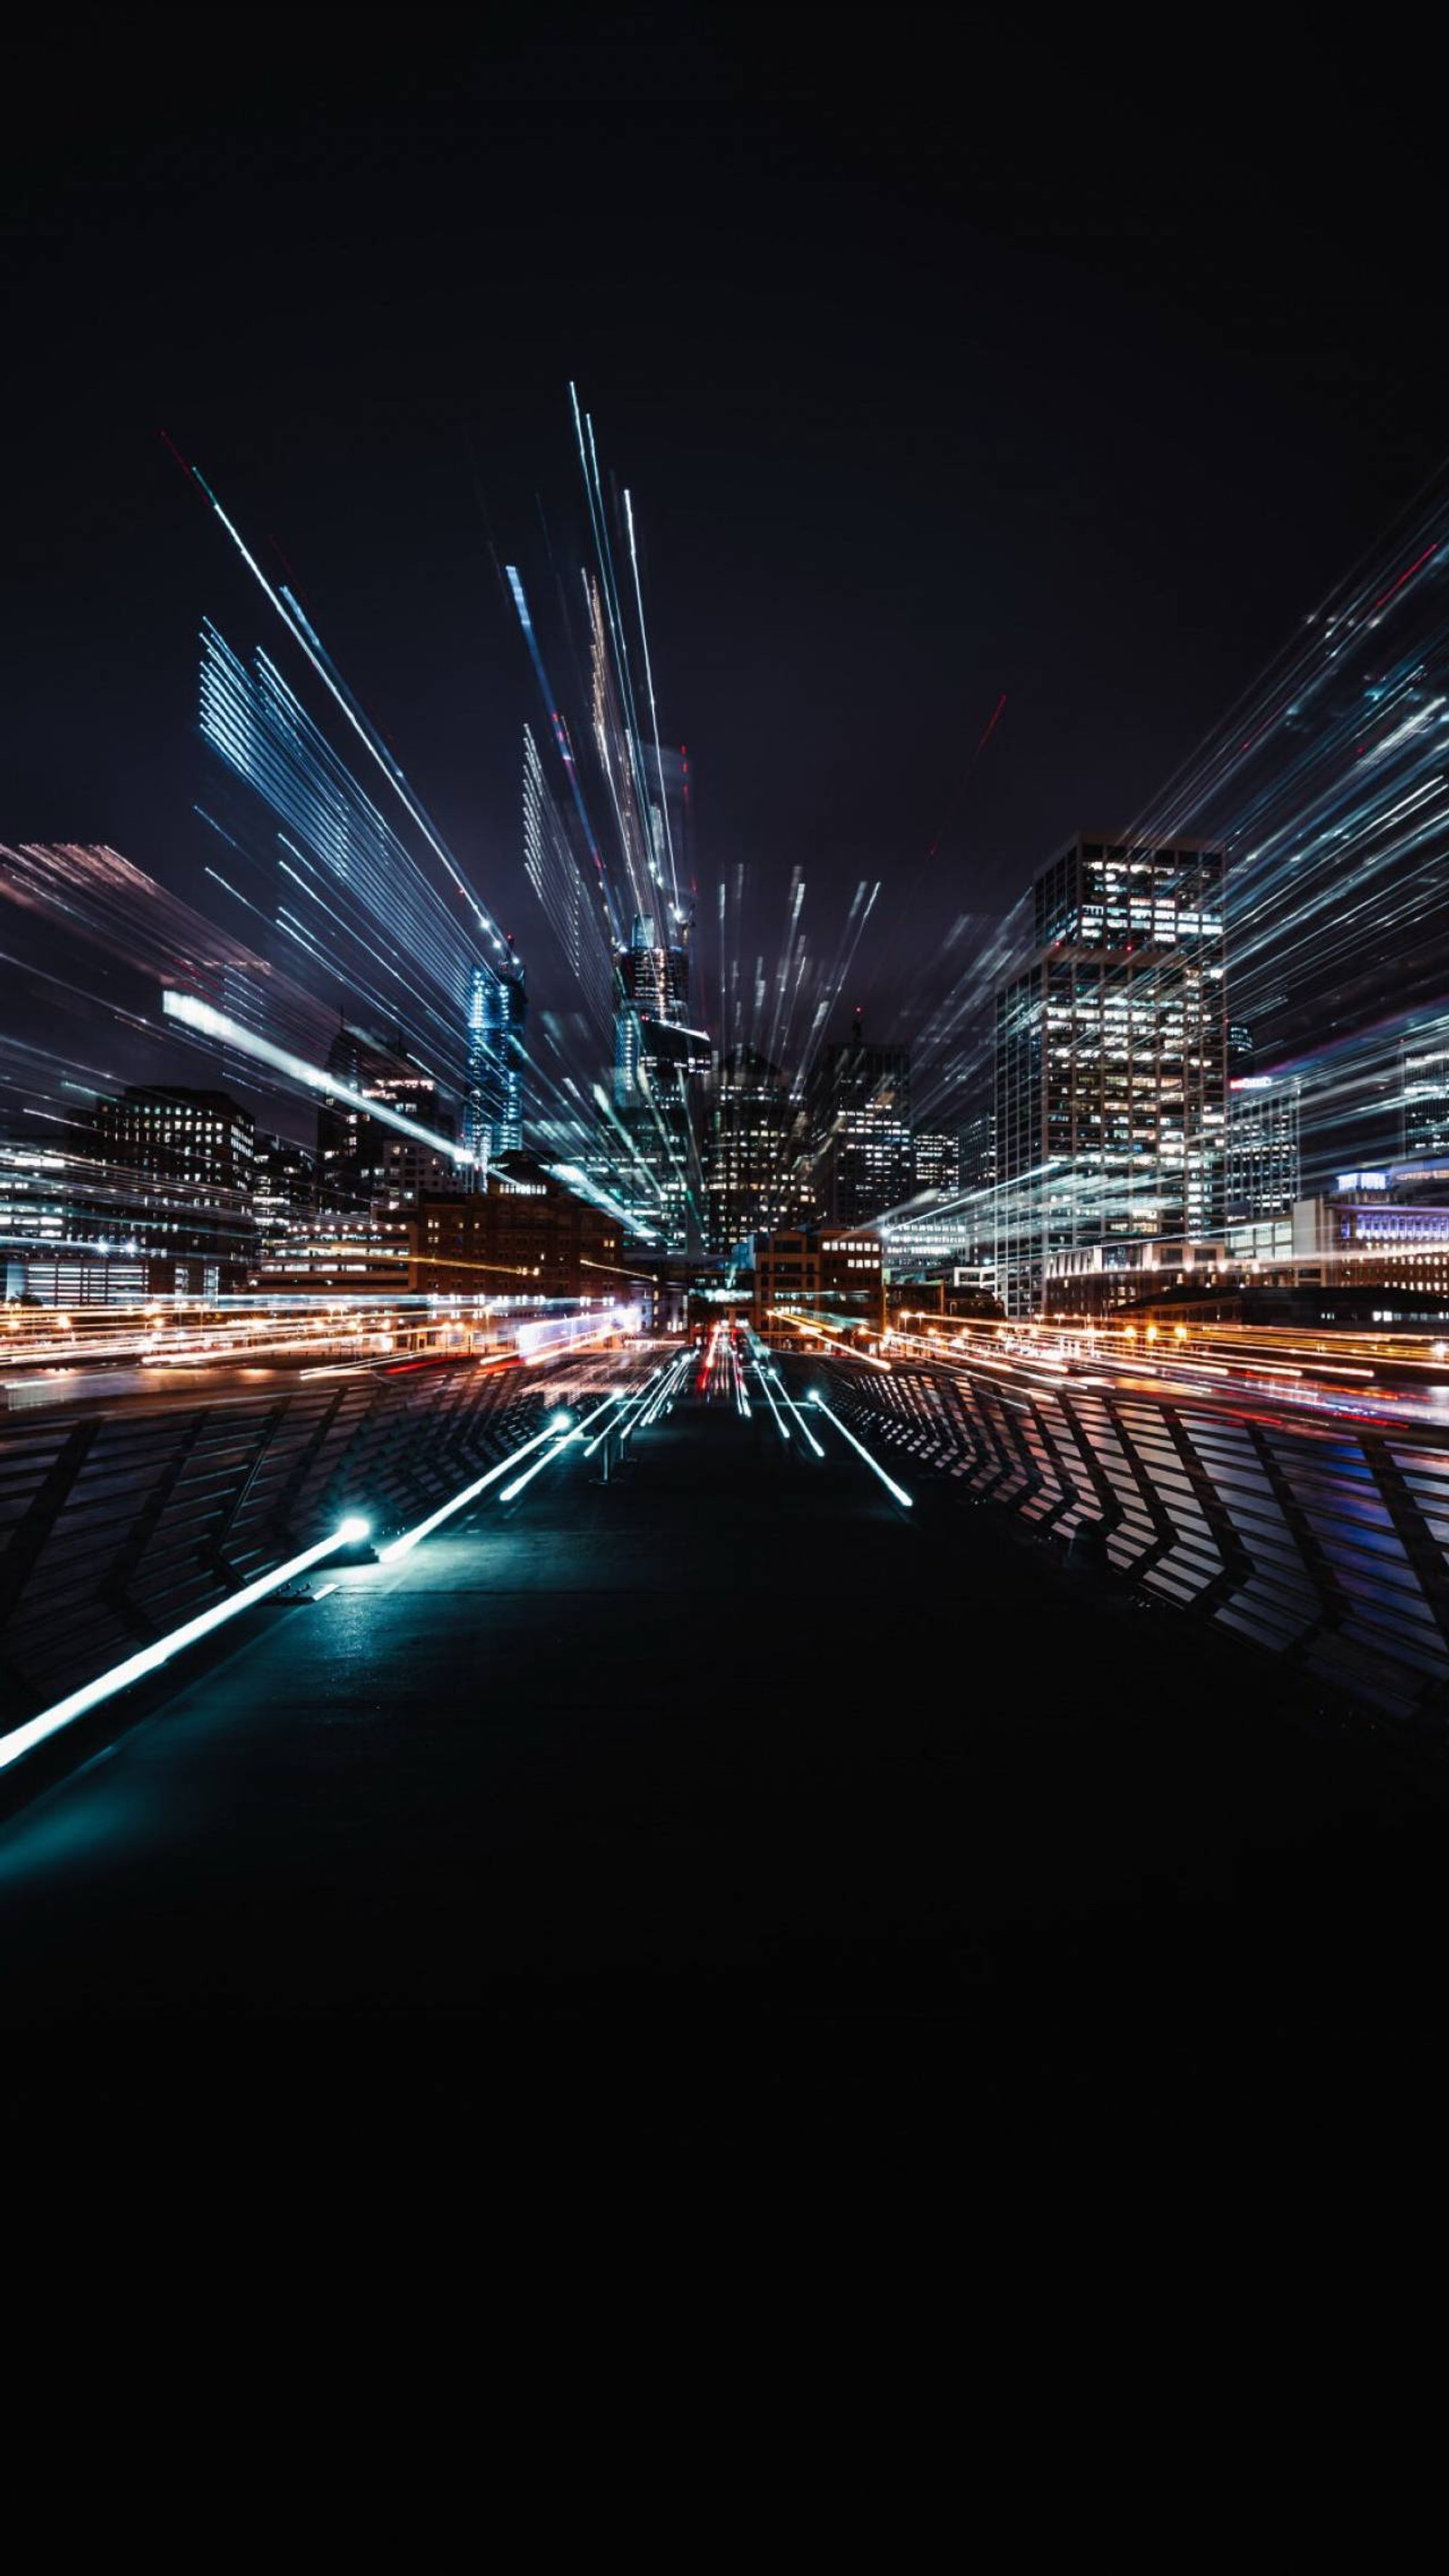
x,y
938,367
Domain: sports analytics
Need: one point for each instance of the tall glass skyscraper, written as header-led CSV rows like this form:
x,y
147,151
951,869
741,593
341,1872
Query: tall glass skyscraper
x,y
861,1129
497,1061
658,1058
1111,1058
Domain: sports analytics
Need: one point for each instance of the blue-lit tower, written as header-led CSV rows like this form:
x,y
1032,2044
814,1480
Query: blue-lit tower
x,y
497,1012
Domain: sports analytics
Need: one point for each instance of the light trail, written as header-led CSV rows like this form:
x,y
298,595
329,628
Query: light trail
x,y
793,1409
627,1404
208,1022
649,686
898,1491
780,1423
412,1538
150,1659
666,1392
849,1350
310,643
564,1431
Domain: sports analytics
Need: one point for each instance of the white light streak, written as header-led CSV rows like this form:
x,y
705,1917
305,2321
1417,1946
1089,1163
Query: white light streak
x,y
208,1022
859,1446
150,1659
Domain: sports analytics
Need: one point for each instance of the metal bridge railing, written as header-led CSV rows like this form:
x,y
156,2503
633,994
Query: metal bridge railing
x,y
116,1530
1329,1544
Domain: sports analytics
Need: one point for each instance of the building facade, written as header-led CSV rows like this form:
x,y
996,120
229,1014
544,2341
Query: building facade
x,y
333,1252
172,1179
365,1161
860,1123
937,1161
523,1235
652,1143
1425,1092
1375,1250
821,1278
497,1062
1264,1160
1110,1056
749,1172
284,1189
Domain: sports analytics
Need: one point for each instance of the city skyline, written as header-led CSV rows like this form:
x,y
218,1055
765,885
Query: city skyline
x,y
724,1063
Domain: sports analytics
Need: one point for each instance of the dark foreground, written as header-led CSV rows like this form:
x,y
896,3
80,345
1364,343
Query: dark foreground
x,y
730,1755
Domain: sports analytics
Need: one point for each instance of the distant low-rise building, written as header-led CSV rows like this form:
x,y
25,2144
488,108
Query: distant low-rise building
x,y
1374,1250
826,1274
328,1254
525,1235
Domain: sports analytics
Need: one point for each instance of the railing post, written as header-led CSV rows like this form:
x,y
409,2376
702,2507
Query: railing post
x,y
27,1539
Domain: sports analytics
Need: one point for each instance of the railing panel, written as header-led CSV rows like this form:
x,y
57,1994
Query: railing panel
x,y
1329,1545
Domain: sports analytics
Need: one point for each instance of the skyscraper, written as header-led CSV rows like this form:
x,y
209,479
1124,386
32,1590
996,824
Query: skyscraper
x,y
861,1129
937,1160
362,1160
658,1060
497,1011
1111,1045
750,1128
1264,1175
173,1176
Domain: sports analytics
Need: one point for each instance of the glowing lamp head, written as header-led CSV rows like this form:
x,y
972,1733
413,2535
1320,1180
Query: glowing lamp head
x,y
562,1422
354,1529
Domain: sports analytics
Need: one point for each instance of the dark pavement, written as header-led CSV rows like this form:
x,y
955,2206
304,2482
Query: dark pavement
x,y
727,1747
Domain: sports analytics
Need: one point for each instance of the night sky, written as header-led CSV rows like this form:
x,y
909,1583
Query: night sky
x,y
937,370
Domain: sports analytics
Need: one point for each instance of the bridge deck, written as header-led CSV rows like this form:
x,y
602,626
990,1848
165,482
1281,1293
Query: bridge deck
x,y
729,1735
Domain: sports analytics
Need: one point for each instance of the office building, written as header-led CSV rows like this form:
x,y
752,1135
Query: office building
x,y
331,1252
1110,1056
659,1064
284,1189
1264,1167
497,1011
860,1119
937,1162
1425,1093
814,1279
522,1235
1374,1250
366,1161
172,1176
978,1148
752,1122
35,1191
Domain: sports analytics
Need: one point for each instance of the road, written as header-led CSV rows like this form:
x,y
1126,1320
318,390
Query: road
x,y
729,1740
